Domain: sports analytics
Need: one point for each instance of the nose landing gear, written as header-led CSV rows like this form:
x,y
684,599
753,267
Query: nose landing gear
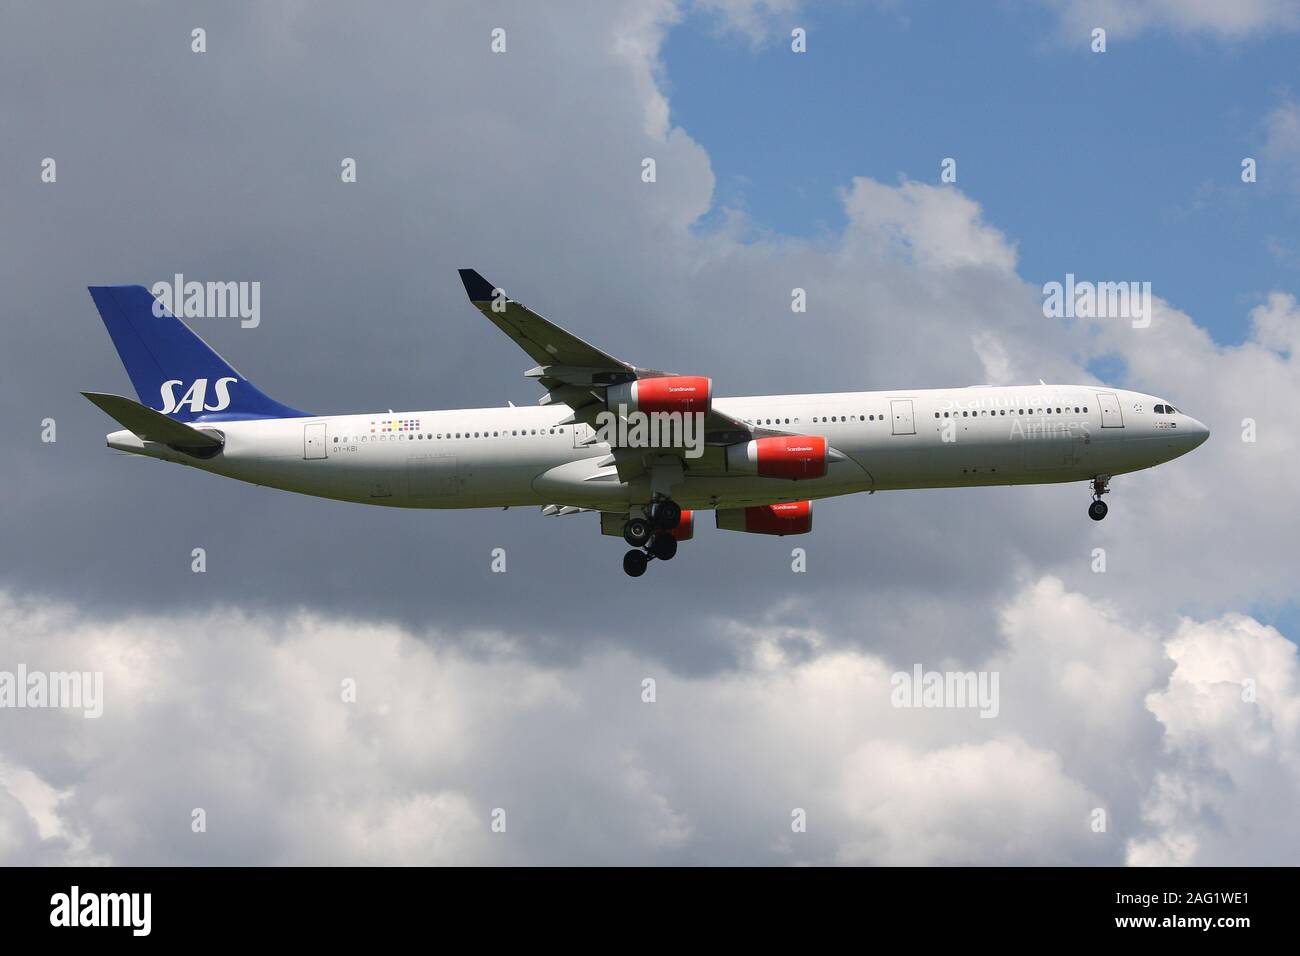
x,y
1100,486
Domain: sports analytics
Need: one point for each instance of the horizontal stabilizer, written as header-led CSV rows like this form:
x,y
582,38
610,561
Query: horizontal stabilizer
x,y
150,425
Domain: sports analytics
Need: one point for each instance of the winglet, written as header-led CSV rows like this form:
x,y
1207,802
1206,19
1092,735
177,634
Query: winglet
x,y
476,287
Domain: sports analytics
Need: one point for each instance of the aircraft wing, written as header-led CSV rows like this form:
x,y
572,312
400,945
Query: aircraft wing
x,y
545,342
575,373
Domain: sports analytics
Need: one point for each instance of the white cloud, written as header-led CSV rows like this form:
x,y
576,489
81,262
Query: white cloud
x,y
1232,20
758,20
1277,323
243,717
1230,796
937,228
1279,165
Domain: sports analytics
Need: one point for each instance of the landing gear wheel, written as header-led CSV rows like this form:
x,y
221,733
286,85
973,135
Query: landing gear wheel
x,y
668,514
636,532
663,546
634,563
1100,486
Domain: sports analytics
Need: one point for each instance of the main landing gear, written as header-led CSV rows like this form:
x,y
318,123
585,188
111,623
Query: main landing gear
x,y
651,537
1100,485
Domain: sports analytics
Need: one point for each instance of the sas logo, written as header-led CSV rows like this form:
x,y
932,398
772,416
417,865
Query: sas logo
x,y
196,395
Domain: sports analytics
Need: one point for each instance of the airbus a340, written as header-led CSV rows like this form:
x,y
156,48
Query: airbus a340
x,y
597,441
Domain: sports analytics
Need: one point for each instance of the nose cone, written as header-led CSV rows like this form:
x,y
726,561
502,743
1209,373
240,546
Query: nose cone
x,y
1196,433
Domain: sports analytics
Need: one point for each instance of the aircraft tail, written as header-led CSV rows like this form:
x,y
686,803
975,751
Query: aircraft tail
x,y
173,370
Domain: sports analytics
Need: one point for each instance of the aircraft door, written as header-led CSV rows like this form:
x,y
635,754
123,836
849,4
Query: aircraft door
x,y
313,440
1111,416
904,423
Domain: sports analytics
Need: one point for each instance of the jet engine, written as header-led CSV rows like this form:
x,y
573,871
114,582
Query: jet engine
x,y
787,517
781,456
687,394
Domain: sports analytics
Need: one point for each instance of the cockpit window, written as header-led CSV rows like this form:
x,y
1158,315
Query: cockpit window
x,y
1165,410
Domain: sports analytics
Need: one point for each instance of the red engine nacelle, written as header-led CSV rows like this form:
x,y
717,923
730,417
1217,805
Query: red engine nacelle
x,y
685,529
672,393
781,456
787,517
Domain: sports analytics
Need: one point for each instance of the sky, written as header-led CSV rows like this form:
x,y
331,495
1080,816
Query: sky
x,y
1162,693
1136,152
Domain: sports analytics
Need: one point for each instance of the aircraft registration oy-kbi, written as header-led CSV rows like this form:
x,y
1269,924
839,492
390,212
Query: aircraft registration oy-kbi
x,y
645,450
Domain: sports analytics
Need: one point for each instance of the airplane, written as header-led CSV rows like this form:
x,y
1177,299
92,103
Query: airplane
x,y
757,462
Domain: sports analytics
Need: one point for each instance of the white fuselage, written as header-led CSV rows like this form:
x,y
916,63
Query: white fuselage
x,y
500,457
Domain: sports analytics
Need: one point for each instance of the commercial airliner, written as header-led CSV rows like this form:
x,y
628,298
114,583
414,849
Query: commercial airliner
x,y
593,445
